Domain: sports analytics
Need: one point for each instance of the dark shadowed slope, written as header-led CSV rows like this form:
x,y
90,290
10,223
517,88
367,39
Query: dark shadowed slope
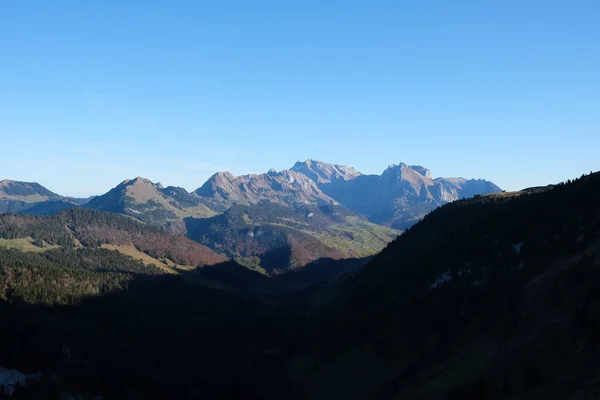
x,y
493,297
94,322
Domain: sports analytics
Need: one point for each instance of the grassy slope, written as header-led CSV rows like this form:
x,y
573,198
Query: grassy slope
x,y
356,237
34,198
144,193
80,227
25,244
131,251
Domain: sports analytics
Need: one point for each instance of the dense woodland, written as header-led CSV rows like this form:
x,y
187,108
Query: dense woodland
x,y
490,297
65,276
94,228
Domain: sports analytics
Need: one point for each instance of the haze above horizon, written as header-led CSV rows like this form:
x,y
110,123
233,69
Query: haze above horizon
x,y
97,92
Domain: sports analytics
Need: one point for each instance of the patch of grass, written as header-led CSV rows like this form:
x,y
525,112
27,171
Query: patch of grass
x,y
252,263
31,198
200,211
356,237
134,253
25,244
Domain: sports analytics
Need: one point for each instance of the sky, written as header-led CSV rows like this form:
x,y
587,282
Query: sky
x,y
94,92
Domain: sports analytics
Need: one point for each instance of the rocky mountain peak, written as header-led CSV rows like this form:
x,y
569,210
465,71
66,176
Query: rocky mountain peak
x,y
322,172
422,170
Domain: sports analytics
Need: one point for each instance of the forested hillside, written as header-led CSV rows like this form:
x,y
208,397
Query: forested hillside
x,y
492,297
274,238
81,227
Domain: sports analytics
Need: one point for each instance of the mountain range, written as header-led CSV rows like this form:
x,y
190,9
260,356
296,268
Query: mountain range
x,y
275,221
399,197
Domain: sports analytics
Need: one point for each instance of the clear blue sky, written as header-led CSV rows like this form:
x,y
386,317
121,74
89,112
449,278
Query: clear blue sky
x,y
93,92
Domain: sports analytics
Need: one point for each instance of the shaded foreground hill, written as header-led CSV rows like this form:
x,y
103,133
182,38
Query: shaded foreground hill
x,y
492,297
141,334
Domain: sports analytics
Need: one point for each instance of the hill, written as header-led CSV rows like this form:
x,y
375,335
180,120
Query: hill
x,y
275,238
76,228
152,203
491,297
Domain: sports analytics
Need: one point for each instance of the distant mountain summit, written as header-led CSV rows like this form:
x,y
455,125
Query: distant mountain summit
x,y
24,190
321,172
31,197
